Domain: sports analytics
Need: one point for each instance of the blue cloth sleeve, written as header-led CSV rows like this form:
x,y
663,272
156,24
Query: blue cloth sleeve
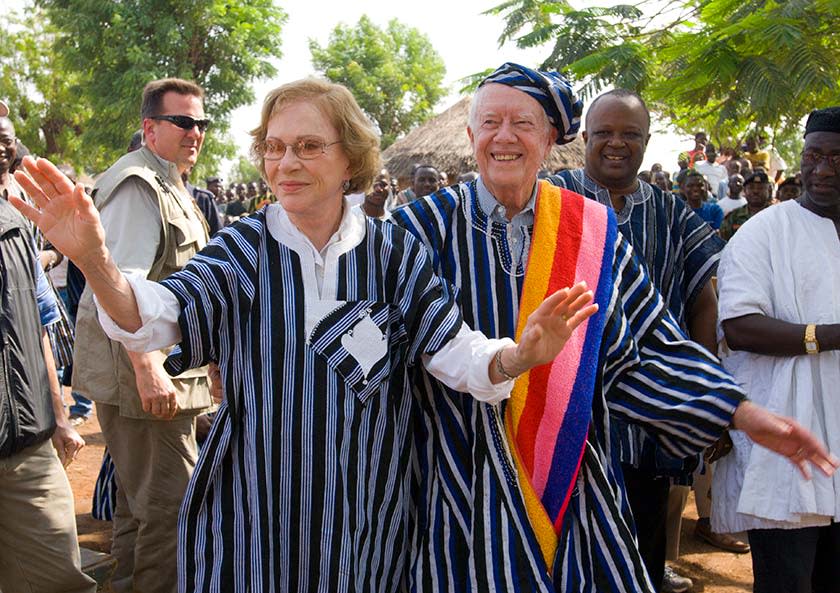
x,y
44,294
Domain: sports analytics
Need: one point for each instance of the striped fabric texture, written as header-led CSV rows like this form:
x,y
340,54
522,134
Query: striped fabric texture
x,y
548,415
680,253
550,89
303,482
471,528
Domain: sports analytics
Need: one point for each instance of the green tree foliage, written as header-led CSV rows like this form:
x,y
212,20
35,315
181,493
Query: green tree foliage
x,y
243,171
115,48
47,113
395,74
725,66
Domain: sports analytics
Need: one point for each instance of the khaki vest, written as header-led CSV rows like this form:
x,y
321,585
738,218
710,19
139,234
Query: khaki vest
x,y
102,370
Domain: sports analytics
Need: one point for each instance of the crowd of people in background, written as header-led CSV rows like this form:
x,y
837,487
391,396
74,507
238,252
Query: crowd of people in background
x,y
694,267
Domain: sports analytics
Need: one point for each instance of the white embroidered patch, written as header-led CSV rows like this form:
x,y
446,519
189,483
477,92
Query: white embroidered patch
x,y
366,343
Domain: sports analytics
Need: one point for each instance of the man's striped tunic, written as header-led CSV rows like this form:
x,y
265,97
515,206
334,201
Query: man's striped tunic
x,y
303,482
471,530
681,253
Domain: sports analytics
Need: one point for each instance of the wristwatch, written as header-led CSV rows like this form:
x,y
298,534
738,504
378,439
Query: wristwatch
x,y
810,340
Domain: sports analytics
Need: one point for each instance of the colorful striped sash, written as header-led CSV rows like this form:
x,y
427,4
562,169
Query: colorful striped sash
x,y
547,417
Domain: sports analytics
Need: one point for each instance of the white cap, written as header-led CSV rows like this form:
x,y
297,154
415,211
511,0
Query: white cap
x,y
4,109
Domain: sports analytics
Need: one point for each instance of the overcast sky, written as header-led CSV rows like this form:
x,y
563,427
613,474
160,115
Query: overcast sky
x,y
466,40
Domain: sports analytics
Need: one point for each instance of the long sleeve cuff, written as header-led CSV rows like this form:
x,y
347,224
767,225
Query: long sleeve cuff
x,y
159,311
463,362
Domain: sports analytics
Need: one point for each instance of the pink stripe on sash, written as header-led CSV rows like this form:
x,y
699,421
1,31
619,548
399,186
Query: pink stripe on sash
x,y
561,379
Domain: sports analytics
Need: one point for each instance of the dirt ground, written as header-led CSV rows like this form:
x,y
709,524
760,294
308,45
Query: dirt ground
x,y
712,570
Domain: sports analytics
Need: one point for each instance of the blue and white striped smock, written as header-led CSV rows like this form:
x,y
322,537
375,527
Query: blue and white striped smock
x,y
472,532
681,253
303,482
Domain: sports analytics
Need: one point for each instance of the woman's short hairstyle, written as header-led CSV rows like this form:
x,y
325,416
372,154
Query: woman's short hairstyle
x,y
358,138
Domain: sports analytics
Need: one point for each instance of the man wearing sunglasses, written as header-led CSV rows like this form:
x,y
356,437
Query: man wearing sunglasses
x,y
152,227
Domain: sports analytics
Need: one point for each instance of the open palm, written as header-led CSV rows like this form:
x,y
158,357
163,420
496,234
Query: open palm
x,y
551,324
64,213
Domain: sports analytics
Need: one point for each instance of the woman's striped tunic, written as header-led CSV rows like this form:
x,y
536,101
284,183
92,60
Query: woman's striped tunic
x,y
303,483
472,532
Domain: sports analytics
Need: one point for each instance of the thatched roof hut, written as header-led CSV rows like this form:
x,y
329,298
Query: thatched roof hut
x,y
442,141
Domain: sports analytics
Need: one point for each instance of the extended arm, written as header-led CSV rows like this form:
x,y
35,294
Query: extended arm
x,y
764,335
468,363
656,377
69,220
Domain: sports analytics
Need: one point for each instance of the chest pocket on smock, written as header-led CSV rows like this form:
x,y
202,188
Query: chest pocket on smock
x,y
188,238
357,340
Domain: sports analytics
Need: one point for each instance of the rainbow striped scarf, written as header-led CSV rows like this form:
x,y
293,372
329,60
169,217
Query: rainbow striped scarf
x,y
547,417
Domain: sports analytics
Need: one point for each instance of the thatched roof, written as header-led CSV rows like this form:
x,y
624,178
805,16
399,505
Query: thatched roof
x,y
442,141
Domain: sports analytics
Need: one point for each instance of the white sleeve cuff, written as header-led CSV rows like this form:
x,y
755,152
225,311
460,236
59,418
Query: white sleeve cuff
x,y
463,365
159,311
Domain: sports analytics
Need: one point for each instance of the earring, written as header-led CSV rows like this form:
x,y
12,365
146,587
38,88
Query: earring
x,y
346,185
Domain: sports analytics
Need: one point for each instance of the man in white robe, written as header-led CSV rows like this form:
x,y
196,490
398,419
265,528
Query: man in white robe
x,y
779,281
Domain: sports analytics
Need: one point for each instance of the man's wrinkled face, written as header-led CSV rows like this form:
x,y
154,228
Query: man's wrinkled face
x,y
616,137
820,175
511,137
8,150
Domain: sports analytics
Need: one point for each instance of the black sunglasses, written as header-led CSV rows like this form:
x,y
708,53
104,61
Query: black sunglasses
x,y
185,122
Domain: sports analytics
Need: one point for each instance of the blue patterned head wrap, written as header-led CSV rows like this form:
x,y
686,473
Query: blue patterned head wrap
x,y
550,89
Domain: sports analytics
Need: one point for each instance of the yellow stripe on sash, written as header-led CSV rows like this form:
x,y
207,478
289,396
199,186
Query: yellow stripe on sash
x,y
535,285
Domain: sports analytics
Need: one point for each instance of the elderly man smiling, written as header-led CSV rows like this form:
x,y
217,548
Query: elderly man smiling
x,y
528,495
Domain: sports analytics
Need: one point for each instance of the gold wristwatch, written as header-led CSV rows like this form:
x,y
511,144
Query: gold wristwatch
x,y
811,344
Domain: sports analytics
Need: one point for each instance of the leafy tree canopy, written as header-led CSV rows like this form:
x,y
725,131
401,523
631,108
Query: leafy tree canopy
x,y
103,53
47,113
394,73
243,171
724,66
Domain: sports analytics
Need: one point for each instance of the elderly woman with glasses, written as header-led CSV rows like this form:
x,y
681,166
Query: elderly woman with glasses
x,y
316,316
